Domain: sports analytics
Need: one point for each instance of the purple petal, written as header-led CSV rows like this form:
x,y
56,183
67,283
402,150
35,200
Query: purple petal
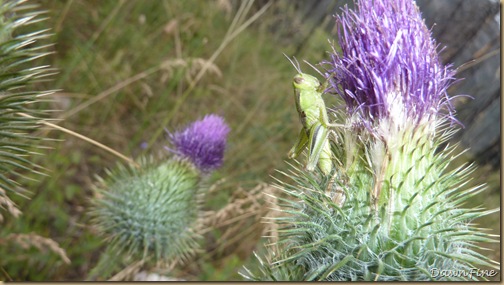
x,y
388,50
203,142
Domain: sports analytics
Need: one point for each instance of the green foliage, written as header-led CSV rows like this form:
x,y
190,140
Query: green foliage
x,y
20,46
227,271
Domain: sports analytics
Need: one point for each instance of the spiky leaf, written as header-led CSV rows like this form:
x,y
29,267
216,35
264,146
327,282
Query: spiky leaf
x,y
20,47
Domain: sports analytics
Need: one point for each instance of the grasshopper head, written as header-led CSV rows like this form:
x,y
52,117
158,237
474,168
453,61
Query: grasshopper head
x,y
304,81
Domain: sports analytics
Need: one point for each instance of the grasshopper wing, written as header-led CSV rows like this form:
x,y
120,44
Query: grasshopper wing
x,y
318,140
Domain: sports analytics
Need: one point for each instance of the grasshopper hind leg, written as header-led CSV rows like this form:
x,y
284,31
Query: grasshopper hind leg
x,y
300,145
325,161
319,151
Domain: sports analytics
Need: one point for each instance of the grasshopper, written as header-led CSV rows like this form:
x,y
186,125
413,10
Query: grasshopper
x,y
315,122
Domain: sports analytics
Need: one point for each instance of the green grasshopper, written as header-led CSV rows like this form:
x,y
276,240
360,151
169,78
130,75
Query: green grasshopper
x,y
313,115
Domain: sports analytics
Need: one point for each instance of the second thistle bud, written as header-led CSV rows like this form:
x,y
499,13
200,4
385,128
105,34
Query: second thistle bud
x,y
153,210
203,142
150,210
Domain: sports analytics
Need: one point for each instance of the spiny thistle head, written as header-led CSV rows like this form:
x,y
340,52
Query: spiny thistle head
x,y
203,142
321,239
153,209
150,211
391,210
388,68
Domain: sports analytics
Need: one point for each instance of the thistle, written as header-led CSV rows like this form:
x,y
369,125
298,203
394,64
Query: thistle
x,y
20,47
391,210
202,142
151,212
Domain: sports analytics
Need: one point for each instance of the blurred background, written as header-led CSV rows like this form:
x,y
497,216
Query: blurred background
x,y
130,69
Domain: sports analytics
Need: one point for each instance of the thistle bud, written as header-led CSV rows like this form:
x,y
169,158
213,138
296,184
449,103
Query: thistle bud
x,y
203,142
152,211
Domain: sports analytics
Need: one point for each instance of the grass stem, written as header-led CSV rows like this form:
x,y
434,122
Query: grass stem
x,y
87,139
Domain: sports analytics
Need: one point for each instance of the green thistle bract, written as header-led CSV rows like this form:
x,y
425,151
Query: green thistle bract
x,y
392,209
321,240
150,211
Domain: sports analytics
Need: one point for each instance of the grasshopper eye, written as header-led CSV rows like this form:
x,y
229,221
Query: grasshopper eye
x,y
298,80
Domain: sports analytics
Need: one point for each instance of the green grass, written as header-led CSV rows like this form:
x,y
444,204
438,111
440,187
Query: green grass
x,y
106,45
101,45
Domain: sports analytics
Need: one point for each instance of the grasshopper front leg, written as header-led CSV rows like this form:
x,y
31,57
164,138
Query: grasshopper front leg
x,y
325,119
323,112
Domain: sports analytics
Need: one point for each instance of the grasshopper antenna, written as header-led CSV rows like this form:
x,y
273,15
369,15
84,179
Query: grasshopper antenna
x,y
296,65
314,68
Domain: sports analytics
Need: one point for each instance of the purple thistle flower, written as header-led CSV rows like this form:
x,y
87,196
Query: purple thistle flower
x,y
388,66
203,142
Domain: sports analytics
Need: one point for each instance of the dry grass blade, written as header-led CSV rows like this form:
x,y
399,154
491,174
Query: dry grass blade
x,y
110,91
129,271
241,220
230,35
193,65
480,59
98,144
41,243
7,203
